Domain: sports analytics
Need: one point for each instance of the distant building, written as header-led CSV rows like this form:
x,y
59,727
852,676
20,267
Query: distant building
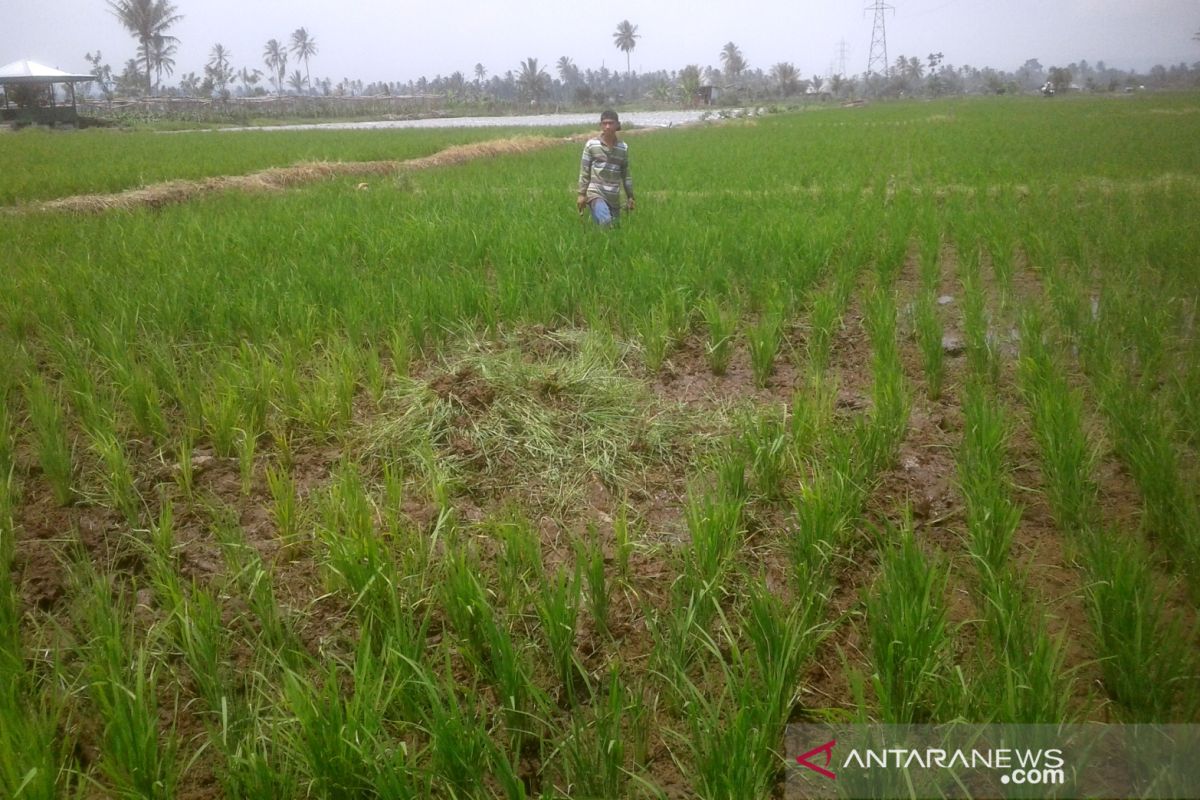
x,y
29,93
707,95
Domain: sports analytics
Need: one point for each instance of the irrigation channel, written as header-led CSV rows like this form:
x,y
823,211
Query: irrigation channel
x,y
640,119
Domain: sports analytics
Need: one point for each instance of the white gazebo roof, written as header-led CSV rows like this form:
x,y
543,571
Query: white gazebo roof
x,y
26,71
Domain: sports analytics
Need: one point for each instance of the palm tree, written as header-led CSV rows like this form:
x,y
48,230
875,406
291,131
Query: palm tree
x,y
218,68
249,79
163,49
304,47
786,76
567,71
732,58
146,20
532,80
626,39
296,81
275,58
480,73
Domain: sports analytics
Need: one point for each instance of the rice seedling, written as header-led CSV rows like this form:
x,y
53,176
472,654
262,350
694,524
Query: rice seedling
x,y
909,632
589,560
346,739
594,758
722,323
401,348
285,508
783,638
247,445
221,419
1185,395
824,321
78,386
679,632
654,334
730,739
374,379
1068,458
252,578
557,605
257,758
716,528
7,436
992,516
520,561
982,361
930,335
50,437
1028,683
929,256
145,401
763,339
1148,664
185,471
123,681
490,648
459,744
32,748
120,490
731,468
622,543
440,481
1003,263
811,416
765,441
1144,442
320,404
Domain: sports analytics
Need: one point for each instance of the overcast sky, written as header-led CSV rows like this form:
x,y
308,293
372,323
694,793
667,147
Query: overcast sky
x,y
372,40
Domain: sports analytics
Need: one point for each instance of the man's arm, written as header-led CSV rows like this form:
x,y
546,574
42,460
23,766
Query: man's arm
x,y
628,182
585,177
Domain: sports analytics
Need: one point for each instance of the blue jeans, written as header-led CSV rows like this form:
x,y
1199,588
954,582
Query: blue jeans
x,y
602,214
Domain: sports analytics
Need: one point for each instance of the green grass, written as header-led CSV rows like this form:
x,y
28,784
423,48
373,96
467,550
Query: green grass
x,y
47,164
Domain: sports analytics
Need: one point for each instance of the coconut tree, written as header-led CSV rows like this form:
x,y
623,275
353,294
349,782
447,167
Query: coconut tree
x,y
147,20
568,73
625,39
275,57
219,69
533,80
785,74
249,79
303,47
162,57
733,60
296,81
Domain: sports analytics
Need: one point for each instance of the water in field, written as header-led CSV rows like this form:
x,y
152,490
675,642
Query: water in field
x,y
640,119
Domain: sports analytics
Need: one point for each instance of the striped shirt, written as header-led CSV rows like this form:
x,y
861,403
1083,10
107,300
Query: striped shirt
x,y
604,170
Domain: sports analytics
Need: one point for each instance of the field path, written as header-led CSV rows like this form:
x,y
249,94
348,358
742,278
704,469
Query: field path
x,y
278,178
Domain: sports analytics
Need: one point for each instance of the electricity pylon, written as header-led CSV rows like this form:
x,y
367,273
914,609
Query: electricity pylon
x,y
877,62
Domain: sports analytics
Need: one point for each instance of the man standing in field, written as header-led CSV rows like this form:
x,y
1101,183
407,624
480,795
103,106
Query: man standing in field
x,y
604,170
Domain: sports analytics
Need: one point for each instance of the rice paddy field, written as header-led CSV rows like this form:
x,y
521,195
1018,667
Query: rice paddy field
x,y
413,484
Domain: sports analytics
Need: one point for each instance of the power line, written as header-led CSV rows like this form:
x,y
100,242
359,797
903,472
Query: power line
x,y
877,61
